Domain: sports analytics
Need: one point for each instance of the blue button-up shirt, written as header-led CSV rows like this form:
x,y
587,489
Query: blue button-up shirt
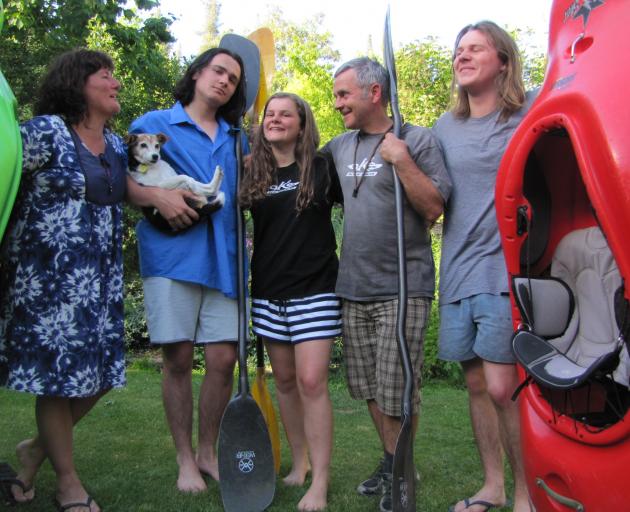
x,y
206,253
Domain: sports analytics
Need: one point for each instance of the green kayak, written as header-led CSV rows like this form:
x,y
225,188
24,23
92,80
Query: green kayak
x,y
10,147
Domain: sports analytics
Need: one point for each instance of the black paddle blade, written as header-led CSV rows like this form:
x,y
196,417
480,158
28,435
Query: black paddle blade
x,y
249,52
246,468
404,470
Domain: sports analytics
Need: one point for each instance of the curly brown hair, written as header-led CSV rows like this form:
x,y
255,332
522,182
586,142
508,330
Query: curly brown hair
x,y
61,90
260,173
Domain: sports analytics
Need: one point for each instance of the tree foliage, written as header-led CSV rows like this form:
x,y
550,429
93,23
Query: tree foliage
x,y
424,75
305,63
211,34
38,30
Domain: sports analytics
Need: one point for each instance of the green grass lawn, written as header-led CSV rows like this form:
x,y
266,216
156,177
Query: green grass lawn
x,y
126,458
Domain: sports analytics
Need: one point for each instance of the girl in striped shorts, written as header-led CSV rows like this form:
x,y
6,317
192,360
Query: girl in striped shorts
x,y
290,190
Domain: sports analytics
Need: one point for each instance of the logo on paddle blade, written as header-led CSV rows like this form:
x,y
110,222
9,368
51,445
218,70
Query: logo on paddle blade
x,y
246,461
404,497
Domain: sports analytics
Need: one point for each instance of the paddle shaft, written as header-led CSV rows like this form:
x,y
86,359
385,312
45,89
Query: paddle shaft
x,y
260,353
245,457
243,384
401,318
251,60
403,471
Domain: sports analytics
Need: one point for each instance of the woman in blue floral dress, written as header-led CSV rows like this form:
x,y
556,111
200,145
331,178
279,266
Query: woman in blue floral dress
x,y
61,293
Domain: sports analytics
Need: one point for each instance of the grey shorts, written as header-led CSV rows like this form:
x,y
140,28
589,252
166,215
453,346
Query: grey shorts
x,y
370,350
181,311
478,326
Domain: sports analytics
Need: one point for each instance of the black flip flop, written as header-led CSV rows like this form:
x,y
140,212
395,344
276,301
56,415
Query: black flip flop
x,y
85,504
479,503
8,478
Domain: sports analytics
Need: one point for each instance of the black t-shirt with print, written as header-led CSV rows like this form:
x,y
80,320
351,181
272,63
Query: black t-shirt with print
x,y
295,254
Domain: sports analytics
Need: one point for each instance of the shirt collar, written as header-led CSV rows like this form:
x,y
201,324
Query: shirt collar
x,y
179,115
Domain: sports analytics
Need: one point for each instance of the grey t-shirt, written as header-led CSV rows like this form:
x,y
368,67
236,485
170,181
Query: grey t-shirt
x,y
368,265
472,260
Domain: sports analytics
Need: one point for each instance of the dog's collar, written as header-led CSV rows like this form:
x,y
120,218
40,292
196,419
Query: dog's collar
x,y
143,168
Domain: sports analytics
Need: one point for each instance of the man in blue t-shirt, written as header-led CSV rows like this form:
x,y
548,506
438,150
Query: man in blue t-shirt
x,y
190,275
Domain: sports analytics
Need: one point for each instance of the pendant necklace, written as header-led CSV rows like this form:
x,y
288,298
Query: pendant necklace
x,y
357,183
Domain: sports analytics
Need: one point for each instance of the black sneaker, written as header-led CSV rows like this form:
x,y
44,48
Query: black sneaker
x,y
373,485
386,504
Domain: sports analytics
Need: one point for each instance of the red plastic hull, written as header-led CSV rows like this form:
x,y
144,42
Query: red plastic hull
x,y
578,133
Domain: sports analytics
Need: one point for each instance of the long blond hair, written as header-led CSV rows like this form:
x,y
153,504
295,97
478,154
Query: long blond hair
x,y
509,81
259,174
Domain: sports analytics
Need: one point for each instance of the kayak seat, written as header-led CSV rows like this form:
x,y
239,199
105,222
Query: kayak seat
x,y
576,321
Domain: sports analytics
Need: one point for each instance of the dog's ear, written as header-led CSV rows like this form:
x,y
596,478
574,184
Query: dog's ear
x,y
130,138
162,138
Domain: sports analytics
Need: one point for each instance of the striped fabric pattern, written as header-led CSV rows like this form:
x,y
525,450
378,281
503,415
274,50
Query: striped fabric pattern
x,y
316,317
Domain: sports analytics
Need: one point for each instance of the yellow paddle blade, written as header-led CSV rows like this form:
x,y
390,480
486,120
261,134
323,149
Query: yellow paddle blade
x,y
263,38
259,102
260,393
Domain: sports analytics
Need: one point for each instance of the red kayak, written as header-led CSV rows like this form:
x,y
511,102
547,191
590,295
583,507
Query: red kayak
x,y
563,193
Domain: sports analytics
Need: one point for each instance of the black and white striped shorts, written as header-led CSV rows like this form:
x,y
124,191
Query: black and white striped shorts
x,y
317,317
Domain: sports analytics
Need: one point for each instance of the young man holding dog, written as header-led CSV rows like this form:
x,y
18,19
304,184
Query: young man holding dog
x,y
189,275
367,279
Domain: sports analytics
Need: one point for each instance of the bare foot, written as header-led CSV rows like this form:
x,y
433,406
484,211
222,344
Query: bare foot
x,y
523,506
209,468
315,498
190,479
297,476
30,456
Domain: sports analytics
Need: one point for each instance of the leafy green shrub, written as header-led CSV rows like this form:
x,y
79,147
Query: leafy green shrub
x,y
136,333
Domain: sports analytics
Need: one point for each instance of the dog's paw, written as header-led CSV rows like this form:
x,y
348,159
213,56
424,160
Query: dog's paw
x,y
218,173
214,203
211,188
219,199
196,202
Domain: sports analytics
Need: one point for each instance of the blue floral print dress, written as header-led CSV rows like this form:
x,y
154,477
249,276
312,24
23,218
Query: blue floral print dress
x,y
61,289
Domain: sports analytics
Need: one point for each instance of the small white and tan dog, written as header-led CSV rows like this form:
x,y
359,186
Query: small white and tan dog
x,y
147,167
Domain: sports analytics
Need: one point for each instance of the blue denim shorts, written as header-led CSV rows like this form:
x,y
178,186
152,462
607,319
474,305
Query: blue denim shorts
x,y
477,326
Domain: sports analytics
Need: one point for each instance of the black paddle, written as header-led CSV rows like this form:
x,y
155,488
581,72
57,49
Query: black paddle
x,y
250,54
403,471
246,466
